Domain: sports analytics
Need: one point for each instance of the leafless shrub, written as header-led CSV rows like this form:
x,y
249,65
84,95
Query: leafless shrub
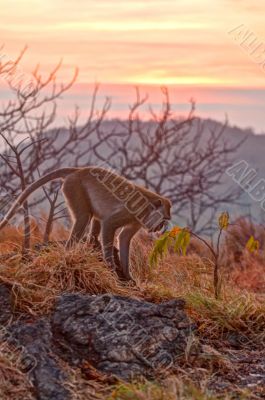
x,y
167,154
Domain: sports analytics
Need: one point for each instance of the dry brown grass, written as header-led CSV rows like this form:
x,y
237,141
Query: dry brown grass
x,y
236,239
11,237
191,385
13,383
191,277
37,282
250,274
172,388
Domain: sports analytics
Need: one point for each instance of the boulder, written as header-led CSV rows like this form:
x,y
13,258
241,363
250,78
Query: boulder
x,y
120,335
34,340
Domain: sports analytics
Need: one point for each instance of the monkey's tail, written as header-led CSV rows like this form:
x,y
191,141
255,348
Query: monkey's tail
x,y
57,174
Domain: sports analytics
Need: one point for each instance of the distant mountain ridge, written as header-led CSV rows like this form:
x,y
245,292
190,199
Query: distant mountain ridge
x,y
252,150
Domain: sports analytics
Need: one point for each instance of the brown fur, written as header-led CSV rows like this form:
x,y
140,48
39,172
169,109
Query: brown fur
x,y
111,202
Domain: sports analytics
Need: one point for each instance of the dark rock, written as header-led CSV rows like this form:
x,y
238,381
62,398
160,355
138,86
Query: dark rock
x,y
5,304
119,335
34,341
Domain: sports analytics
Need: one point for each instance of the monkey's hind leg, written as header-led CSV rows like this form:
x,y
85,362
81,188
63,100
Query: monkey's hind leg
x,y
108,229
79,208
94,234
93,239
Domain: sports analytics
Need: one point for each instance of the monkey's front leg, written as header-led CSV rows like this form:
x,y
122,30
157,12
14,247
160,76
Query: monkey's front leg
x,y
125,238
121,267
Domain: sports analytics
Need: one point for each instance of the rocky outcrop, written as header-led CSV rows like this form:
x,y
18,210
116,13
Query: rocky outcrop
x,y
5,305
118,336
38,359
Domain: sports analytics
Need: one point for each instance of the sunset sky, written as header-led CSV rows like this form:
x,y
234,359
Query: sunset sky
x,y
185,45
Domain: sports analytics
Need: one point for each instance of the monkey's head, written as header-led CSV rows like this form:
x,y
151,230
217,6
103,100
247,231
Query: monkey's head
x,y
159,215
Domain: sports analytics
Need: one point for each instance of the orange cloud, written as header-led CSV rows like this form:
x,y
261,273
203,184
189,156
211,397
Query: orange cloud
x,y
155,42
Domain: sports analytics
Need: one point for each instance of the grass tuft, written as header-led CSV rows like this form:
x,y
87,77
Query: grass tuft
x,y
37,282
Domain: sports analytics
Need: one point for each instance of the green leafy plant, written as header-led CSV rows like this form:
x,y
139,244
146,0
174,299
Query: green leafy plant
x,y
179,239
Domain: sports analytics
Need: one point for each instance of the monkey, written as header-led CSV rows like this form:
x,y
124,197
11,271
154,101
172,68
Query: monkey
x,y
111,202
